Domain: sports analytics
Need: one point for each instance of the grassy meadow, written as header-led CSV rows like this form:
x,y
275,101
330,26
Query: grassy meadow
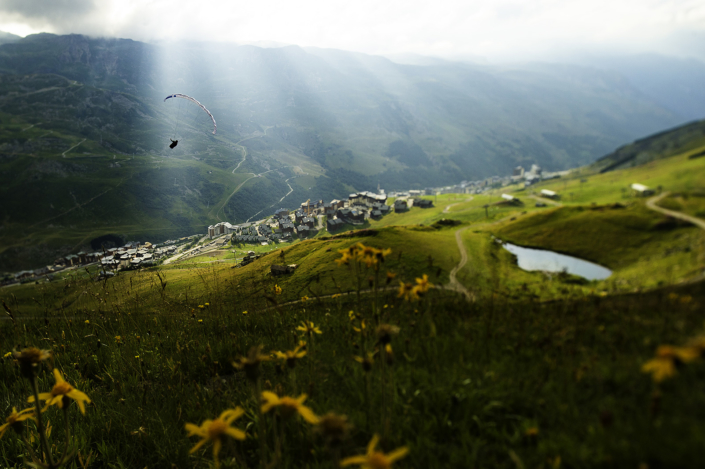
x,y
536,369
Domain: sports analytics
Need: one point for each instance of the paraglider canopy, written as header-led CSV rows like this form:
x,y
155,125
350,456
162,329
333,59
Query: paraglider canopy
x,y
193,100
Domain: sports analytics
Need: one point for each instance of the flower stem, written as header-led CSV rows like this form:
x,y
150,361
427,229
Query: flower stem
x,y
40,425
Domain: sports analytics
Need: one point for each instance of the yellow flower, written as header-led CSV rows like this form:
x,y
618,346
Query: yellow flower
x,y
361,328
250,363
207,304
288,406
422,284
290,356
337,295
214,430
376,459
407,291
367,362
304,299
334,428
385,332
667,358
60,394
15,418
7,355
309,328
118,339
201,306
277,290
245,313
87,321
531,432
345,260
29,358
390,277
200,320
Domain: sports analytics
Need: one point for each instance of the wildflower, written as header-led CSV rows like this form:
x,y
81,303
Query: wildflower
x,y
366,362
304,299
15,419
277,290
389,354
381,254
385,332
376,459
337,295
245,313
214,430
361,328
200,320
201,306
251,362
390,277
422,284
334,428
290,356
207,304
667,358
288,406
407,291
87,321
531,432
7,355
118,339
367,254
345,260
29,358
60,394
309,328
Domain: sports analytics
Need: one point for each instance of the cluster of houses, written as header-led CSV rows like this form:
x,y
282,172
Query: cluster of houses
x,y
130,256
305,221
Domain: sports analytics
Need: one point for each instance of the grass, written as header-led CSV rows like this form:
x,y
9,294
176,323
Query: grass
x,y
470,385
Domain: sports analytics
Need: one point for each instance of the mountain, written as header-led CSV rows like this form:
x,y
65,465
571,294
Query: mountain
x,y
673,83
84,132
6,38
657,146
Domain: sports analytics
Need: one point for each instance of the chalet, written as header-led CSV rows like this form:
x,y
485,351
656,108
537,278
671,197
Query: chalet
x,y
329,209
366,199
299,215
281,213
333,224
549,194
401,205
288,228
303,231
356,216
376,214
385,209
642,190
423,203
308,221
71,259
337,203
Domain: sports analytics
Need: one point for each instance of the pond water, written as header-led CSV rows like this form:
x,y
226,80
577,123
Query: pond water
x,y
539,259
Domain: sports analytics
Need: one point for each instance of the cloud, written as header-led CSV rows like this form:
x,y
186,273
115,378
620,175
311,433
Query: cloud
x,y
508,29
42,12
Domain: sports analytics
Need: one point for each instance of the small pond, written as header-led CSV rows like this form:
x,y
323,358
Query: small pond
x,y
539,259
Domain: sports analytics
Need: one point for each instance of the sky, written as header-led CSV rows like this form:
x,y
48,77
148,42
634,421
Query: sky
x,y
493,30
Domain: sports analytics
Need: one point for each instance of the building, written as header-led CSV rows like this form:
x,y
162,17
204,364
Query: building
x,y
333,224
549,194
401,205
423,203
641,190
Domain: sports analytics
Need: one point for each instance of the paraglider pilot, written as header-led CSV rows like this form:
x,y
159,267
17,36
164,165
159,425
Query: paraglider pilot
x,y
173,143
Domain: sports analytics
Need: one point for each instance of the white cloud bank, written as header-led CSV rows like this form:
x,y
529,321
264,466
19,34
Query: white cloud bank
x,y
496,29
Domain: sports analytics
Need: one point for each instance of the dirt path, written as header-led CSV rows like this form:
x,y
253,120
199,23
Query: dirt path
x,y
63,155
453,283
447,209
651,204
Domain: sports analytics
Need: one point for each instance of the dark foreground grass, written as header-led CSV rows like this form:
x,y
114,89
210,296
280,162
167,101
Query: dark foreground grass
x,y
498,383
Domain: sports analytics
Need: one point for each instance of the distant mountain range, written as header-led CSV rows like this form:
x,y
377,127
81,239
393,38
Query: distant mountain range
x,y
326,122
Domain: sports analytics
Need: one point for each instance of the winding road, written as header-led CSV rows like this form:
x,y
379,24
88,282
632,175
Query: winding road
x,y
453,283
447,209
651,204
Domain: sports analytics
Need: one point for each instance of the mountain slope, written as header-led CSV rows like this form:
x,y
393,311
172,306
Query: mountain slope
x,y
84,132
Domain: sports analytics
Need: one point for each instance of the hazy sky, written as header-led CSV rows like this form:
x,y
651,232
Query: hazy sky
x,y
494,29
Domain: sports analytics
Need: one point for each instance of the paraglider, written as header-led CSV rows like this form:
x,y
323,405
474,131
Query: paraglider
x,y
193,100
